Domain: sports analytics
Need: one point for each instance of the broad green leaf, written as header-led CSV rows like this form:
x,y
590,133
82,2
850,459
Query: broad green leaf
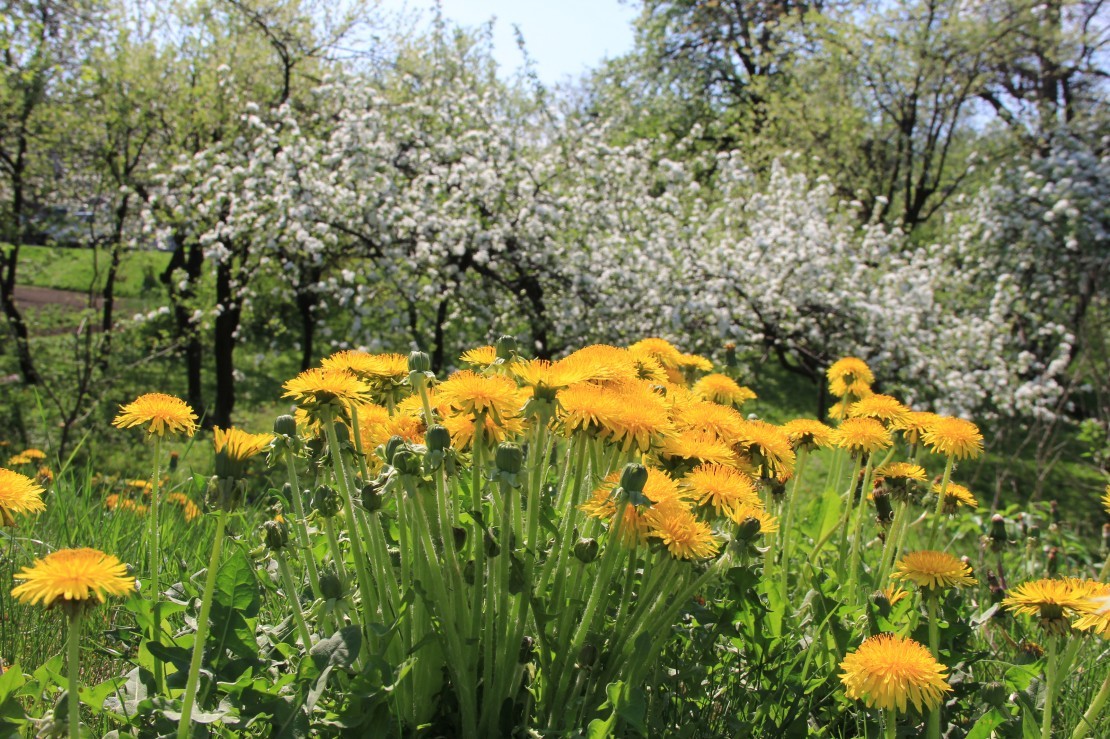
x,y
986,724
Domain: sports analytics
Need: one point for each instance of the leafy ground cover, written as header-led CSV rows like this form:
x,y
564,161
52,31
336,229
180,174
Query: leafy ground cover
x,y
562,548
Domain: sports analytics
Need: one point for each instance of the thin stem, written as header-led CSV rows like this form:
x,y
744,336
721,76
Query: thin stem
x,y
300,528
890,724
73,659
294,598
1050,687
1091,715
201,636
940,502
934,647
155,564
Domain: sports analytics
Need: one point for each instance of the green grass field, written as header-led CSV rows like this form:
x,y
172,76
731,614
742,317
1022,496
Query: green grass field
x,y
82,270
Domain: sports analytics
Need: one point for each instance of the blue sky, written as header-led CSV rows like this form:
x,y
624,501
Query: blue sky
x,y
564,37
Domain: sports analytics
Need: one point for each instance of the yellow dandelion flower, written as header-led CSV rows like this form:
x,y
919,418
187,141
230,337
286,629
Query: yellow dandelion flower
x,y
809,433
602,363
18,494
143,486
661,491
73,575
162,412
684,536
768,524
723,389
1052,601
902,471
480,357
461,428
931,570
890,671
914,425
862,435
627,414
323,393
721,421
724,489
35,455
661,350
45,475
188,507
894,593
234,447
238,445
376,427
694,362
768,447
954,437
18,460
1096,616
473,394
955,496
545,376
696,446
884,408
1106,501
650,369
848,376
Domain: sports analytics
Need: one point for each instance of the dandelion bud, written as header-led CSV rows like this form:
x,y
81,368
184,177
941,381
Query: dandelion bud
x,y
997,591
285,426
372,497
509,458
275,534
730,355
1053,561
174,457
586,550
994,694
633,478
516,576
326,501
406,461
437,438
330,585
998,527
748,529
468,572
392,446
882,603
884,512
776,487
506,347
458,533
587,655
527,650
419,362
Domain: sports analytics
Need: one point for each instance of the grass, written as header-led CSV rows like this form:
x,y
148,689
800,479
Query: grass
x,y
82,270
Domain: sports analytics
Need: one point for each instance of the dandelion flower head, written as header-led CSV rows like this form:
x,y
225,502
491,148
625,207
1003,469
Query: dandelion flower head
x,y
848,376
73,575
18,494
808,433
890,672
954,437
862,435
160,413
723,389
931,570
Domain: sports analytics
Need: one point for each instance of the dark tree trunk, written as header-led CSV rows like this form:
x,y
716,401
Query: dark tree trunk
x,y
108,294
9,261
227,323
190,259
306,303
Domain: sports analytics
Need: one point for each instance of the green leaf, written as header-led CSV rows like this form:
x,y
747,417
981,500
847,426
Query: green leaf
x,y
986,724
340,649
12,714
236,586
828,515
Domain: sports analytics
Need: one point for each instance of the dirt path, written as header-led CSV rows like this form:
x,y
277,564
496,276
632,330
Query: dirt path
x,y
27,296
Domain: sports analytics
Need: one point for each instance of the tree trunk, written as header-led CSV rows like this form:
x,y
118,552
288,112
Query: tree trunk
x,y
190,259
227,323
306,303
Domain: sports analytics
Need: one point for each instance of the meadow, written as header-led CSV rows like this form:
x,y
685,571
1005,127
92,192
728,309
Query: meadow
x,y
606,545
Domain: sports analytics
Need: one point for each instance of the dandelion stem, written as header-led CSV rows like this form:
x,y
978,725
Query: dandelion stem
x,y
890,724
1050,687
201,635
294,598
1091,715
940,502
73,659
301,528
934,647
155,564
